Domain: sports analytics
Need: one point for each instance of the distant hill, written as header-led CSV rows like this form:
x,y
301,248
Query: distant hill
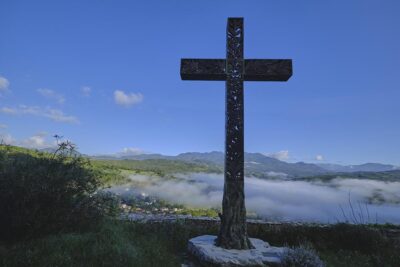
x,y
213,157
259,165
367,167
256,164
133,157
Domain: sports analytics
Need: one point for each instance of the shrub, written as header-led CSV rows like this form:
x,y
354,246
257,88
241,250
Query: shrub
x,y
43,193
301,256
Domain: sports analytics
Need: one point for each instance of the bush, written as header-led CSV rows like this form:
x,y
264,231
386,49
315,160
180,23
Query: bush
x,y
302,256
43,193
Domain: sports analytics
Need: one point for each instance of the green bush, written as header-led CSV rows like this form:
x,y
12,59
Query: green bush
x,y
43,193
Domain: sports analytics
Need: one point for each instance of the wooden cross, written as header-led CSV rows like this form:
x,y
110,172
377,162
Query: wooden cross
x,y
234,70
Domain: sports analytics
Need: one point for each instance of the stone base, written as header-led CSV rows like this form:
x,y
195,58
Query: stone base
x,y
207,254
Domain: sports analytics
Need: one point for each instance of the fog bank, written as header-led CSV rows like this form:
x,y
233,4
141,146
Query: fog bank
x,y
339,200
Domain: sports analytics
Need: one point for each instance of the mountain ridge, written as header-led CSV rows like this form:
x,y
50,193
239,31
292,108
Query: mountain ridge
x,y
260,165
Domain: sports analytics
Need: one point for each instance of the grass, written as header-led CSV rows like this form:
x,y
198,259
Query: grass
x,y
112,243
124,243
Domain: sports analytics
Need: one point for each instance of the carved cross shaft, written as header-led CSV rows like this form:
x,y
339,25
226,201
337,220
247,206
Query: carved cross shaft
x,y
234,70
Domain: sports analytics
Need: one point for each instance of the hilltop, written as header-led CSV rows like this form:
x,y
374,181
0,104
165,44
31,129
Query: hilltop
x,y
256,164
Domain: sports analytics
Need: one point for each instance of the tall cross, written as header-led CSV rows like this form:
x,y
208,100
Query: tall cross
x,y
234,70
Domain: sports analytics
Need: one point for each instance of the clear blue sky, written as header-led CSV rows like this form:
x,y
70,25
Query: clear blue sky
x,y
105,74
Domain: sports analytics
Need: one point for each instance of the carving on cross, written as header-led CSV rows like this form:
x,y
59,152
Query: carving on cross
x,y
234,70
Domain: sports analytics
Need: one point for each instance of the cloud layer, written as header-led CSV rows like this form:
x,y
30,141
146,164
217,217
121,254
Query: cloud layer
x,y
53,114
50,94
284,200
86,91
281,155
36,141
4,83
130,151
127,99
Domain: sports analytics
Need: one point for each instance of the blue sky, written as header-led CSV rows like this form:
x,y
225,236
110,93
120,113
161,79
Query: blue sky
x,y
105,74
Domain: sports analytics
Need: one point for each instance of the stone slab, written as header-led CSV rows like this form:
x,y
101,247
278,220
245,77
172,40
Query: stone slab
x,y
203,249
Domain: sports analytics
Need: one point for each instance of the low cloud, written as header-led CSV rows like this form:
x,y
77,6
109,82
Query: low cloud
x,y
52,95
127,99
53,114
281,155
319,158
3,126
8,110
7,139
36,141
130,151
86,91
282,200
4,84
58,115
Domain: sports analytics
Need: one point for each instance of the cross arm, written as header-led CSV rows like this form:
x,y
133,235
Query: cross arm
x,y
254,70
279,70
203,69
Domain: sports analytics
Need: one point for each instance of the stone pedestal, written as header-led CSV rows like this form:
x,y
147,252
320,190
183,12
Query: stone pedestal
x,y
203,249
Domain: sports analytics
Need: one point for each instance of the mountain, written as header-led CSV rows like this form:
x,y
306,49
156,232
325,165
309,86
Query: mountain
x,y
257,164
133,157
367,167
214,157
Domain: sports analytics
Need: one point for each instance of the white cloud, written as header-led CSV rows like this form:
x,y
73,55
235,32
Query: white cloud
x,y
7,139
58,115
36,141
86,90
8,110
53,114
3,126
4,83
50,94
281,155
319,157
130,151
127,99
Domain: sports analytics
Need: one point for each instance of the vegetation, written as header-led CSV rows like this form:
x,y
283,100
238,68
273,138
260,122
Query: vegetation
x,y
53,214
42,193
110,243
160,167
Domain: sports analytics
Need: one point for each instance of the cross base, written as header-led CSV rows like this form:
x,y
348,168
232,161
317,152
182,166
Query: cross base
x,y
206,253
